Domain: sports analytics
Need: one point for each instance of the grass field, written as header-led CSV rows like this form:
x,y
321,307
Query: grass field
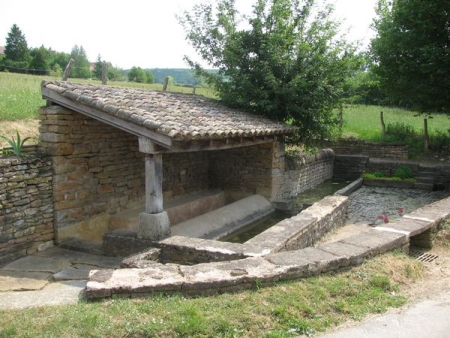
x,y
364,121
20,99
285,310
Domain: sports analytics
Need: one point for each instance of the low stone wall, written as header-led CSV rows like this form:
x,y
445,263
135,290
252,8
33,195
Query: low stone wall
x,y
99,171
371,149
246,171
26,206
349,167
304,172
149,277
294,233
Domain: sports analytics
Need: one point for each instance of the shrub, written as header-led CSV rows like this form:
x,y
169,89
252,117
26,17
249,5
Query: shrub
x,y
403,172
400,131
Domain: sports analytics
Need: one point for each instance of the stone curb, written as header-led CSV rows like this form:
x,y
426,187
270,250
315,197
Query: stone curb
x,y
250,272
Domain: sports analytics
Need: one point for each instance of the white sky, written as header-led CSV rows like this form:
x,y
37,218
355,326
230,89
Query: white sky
x,y
141,33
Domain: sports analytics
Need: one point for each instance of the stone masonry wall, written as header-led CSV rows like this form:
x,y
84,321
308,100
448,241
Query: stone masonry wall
x,y
26,206
349,167
361,147
185,173
304,172
98,171
248,170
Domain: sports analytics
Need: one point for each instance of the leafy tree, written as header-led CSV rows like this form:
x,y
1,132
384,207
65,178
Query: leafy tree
x,y
411,52
59,60
98,68
137,74
115,74
286,62
16,52
149,75
81,65
39,62
16,48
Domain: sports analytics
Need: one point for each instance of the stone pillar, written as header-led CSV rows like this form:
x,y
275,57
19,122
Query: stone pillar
x,y
154,223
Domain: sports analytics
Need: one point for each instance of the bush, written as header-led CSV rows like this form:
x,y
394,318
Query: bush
x,y
400,131
404,172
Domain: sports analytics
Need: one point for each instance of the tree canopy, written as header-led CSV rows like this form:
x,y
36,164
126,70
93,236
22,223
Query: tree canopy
x,y
412,53
284,61
16,48
81,65
39,61
137,74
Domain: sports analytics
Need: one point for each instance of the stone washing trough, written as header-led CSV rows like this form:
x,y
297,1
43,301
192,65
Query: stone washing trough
x,y
283,252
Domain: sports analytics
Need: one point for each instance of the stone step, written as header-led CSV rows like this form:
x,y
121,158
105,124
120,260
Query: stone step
x,y
83,246
424,186
422,179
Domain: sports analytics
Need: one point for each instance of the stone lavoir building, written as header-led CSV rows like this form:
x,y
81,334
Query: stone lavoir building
x,y
115,149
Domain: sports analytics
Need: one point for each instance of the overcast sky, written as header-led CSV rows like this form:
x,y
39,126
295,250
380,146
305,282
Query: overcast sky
x,y
142,33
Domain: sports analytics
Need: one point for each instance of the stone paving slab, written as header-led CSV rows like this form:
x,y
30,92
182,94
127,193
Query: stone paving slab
x,y
377,242
77,272
160,278
409,225
305,262
215,277
70,292
37,263
354,255
81,257
436,211
275,238
180,249
23,280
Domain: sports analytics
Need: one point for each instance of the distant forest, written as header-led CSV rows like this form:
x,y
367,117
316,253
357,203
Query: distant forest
x,y
180,76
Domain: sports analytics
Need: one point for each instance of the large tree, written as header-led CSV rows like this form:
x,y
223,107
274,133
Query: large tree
x,y
412,53
16,48
137,74
81,65
39,64
284,61
98,69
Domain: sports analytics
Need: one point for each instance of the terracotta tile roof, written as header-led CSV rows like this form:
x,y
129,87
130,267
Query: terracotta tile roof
x,y
179,116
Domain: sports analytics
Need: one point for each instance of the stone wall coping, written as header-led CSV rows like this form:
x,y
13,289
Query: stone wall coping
x,y
216,277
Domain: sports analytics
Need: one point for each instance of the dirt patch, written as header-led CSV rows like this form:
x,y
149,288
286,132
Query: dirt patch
x,y
26,128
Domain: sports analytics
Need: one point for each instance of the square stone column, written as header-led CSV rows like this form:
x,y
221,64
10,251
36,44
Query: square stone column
x,y
154,223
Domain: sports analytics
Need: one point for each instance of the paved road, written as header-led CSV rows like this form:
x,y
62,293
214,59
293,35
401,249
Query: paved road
x,y
428,318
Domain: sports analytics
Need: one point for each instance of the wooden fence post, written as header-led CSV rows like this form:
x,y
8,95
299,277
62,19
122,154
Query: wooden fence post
x,y
426,137
104,73
68,70
166,82
383,127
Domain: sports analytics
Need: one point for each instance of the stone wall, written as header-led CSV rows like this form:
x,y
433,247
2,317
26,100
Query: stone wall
x,y
249,170
349,167
361,147
185,173
26,206
304,172
99,171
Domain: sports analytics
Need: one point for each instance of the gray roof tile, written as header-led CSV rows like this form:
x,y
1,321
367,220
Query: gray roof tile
x,y
179,116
